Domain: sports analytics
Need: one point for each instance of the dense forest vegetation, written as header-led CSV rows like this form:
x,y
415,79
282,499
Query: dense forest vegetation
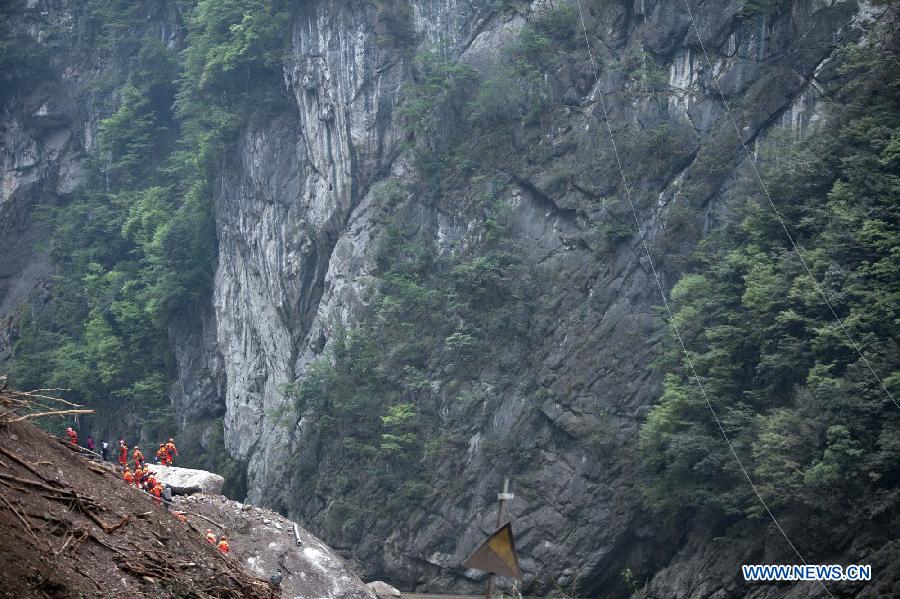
x,y
818,433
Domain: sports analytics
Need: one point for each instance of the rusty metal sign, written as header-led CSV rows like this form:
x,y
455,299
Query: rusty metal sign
x,y
497,554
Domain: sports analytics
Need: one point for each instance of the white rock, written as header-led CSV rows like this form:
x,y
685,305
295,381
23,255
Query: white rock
x,y
207,482
383,590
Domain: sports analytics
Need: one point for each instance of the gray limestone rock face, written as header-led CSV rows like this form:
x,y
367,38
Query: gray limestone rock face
x,y
40,163
295,220
199,387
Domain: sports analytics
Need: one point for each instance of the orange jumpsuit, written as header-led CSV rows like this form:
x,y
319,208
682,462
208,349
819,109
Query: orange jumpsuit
x,y
73,436
210,537
156,490
129,478
138,457
181,517
123,455
172,450
163,455
223,546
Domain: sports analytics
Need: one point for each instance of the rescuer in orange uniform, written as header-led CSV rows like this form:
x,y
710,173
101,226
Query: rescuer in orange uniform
x,y
123,454
162,454
156,490
140,477
147,480
210,536
138,457
181,517
171,450
129,478
223,545
73,436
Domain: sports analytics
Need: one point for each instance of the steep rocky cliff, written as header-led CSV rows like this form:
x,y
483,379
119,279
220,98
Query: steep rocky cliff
x,y
301,216
297,215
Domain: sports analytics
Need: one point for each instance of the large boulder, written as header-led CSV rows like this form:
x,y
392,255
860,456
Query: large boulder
x,y
187,479
383,590
266,543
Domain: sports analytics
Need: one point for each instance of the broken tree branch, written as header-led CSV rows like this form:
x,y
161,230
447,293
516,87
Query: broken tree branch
x,y
18,514
53,413
21,462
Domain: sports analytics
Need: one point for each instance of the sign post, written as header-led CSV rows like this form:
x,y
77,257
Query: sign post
x,y
497,554
502,498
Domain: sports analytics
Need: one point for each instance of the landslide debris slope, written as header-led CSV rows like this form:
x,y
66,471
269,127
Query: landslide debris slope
x,y
265,542
72,528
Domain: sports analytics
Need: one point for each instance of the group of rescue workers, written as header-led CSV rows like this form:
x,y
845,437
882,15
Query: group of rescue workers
x,y
165,454
222,544
143,479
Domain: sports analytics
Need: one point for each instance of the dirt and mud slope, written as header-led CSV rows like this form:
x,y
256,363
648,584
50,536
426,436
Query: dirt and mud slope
x,y
72,528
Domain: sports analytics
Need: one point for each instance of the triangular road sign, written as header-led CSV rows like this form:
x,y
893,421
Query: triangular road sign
x,y
497,554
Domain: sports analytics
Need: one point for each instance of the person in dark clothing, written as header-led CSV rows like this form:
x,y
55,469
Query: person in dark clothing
x,y
90,443
104,450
